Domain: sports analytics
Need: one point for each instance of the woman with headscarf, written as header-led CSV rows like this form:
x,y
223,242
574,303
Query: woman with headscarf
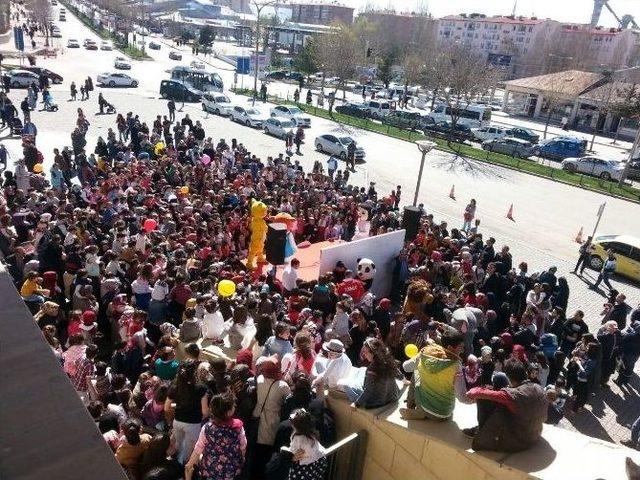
x,y
49,314
271,392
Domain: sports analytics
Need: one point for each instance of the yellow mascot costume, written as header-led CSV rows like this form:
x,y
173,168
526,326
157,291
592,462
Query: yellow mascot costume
x,y
258,234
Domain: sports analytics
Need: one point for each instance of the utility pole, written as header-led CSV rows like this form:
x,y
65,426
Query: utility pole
x,y
259,6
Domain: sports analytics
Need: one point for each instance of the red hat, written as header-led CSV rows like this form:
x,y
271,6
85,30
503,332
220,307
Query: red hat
x,y
385,304
88,320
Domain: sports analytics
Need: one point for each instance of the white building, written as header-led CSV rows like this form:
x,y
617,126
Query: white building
x,y
505,40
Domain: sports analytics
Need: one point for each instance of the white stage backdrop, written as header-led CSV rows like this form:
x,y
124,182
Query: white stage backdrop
x,y
382,249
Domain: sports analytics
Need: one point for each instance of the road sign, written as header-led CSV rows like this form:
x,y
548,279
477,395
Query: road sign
x,y
18,38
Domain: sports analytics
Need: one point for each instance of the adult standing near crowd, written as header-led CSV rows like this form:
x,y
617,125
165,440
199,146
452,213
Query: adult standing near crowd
x,y
608,268
171,105
583,258
469,214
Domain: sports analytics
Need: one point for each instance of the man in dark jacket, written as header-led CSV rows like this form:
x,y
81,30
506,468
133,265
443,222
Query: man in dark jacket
x,y
509,419
629,352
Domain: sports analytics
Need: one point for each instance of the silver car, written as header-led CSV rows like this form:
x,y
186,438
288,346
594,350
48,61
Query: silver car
x,y
334,145
509,146
249,116
598,167
279,127
21,78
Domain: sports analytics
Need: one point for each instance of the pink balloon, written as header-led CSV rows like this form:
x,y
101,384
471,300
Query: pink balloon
x,y
149,225
205,159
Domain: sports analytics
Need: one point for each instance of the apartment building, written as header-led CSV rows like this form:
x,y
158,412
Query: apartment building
x,y
318,13
403,28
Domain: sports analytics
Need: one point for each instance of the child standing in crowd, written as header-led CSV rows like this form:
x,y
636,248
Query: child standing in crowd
x,y
309,461
222,443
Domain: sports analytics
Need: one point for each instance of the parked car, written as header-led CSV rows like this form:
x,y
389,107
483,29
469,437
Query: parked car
x,y
377,108
509,146
198,65
154,46
173,55
116,79
62,17
216,103
295,76
595,166
406,120
488,133
460,133
334,145
559,148
294,113
73,43
249,116
91,45
122,63
353,110
279,127
21,78
106,45
633,172
51,76
55,32
626,249
523,134
276,75
177,90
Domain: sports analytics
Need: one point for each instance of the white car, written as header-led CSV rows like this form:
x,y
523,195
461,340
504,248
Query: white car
x,y
106,45
198,65
216,103
116,80
334,145
122,63
73,43
21,78
249,116
294,113
489,133
598,167
279,127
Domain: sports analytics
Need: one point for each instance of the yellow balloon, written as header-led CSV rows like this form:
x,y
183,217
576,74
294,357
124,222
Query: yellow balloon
x,y
226,288
184,190
410,350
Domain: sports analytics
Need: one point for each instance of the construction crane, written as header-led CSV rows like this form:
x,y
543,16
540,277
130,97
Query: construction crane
x,y
623,22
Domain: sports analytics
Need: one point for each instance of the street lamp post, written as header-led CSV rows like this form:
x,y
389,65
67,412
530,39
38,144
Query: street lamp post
x,y
425,146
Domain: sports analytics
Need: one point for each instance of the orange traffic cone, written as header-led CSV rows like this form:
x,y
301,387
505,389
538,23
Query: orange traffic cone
x,y
579,236
452,193
510,213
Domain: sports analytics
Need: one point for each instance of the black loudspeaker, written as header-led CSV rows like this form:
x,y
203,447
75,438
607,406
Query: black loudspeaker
x,y
275,243
411,221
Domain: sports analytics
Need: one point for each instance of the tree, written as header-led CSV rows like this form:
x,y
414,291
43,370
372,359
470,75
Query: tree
x,y
627,105
207,36
385,67
42,14
338,52
413,67
304,62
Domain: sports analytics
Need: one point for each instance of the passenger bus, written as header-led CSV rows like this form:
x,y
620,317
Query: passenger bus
x,y
472,116
198,79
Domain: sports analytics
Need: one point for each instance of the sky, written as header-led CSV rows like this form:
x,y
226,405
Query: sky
x,y
578,11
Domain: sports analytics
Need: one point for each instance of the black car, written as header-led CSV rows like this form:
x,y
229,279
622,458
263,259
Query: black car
x,y
154,46
460,133
523,134
175,55
353,110
276,75
52,76
633,171
176,90
406,120
295,76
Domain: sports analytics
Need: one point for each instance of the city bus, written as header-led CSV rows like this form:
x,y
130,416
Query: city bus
x,y
198,79
472,116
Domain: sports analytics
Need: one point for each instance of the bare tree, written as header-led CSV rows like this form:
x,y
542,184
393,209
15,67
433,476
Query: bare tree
x,y
461,78
413,67
41,12
605,97
338,53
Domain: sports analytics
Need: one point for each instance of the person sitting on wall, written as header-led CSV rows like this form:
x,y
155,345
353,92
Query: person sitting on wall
x,y
509,419
438,378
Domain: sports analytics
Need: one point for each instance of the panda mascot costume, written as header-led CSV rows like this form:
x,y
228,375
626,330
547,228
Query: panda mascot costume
x,y
366,272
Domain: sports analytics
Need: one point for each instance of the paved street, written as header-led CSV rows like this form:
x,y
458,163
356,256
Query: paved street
x,y
547,215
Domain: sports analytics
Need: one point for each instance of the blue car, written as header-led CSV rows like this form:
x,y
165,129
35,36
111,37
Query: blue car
x,y
559,148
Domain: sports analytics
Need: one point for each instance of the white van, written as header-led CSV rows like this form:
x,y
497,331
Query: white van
x,y
377,108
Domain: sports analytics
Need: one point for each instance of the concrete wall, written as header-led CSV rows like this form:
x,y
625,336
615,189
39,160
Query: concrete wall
x,y
429,450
